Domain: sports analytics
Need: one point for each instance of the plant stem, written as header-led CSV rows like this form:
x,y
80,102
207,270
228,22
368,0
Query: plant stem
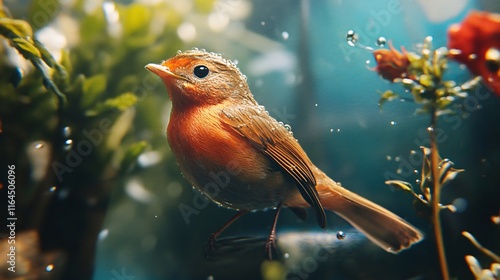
x,y
436,193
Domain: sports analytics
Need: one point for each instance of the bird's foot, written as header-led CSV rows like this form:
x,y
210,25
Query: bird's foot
x,y
270,245
210,245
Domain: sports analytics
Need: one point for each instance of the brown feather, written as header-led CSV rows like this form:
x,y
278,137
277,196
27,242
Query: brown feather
x,y
275,141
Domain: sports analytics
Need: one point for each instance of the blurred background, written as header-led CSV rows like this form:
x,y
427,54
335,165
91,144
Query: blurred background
x,y
98,193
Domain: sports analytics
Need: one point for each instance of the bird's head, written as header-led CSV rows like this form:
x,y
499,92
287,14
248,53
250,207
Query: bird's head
x,y
198,77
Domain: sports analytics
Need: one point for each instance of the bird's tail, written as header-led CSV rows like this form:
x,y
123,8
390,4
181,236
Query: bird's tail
x,y
380,225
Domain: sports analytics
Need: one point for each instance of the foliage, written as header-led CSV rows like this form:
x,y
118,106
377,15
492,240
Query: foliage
x,y
88,105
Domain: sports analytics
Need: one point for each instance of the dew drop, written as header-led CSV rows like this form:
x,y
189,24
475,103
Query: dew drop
x,y
210,277
262,23
53,189
399,171
286,255
66,131
472,56
341,235
351,38
397,159
415,171
49,267
285,35
393,123
316,105
417,181
381,41
68,144
430,129
338,129
103,234
39,145
388,157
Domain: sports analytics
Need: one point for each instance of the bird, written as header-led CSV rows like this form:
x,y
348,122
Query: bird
x,y
231,150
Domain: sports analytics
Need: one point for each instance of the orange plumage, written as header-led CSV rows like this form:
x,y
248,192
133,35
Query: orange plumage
x,y
218,130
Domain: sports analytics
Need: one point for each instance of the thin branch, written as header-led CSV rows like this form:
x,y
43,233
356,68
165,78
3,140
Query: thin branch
x,y
436,194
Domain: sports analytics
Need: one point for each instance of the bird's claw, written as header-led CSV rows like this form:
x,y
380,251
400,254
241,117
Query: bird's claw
x,y
270,246
210,246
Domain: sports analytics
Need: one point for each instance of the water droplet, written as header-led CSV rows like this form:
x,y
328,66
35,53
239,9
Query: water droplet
x,y
66,131
103,234
367,62
351,38
381,41
460,204
430,129
399,171
341,235
393,123
53,189
68,144
316,105
39,146
286,255
262,23
338,129
413,152
397,159
472,56
331,130
388,157
288,127
210,277
49,267
285,35
156,216
417,181
415,171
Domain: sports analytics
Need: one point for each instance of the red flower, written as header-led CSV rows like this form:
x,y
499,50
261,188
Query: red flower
x,y
477,40
391,64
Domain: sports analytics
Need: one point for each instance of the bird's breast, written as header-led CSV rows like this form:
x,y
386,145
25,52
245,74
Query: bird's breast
x,y
223,164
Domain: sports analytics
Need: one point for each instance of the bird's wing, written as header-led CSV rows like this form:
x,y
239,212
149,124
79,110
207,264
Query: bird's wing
x,y
275,141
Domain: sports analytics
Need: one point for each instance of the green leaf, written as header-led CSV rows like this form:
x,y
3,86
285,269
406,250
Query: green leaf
x,y
426,80
447,172
93,28
405,186
135,19
93,87
388,95
46,55
10,28
119,103
26,48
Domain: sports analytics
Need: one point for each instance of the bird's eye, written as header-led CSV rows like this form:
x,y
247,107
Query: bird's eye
x,y
201,71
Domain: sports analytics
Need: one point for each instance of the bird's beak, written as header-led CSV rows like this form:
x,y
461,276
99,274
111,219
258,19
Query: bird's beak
x,y
159,70
162,71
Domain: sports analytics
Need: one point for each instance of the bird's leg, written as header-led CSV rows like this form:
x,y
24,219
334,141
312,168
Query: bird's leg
x,y
213,238
271,240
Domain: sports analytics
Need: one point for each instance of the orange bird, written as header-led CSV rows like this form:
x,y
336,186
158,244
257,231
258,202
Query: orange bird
x,y
217,130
